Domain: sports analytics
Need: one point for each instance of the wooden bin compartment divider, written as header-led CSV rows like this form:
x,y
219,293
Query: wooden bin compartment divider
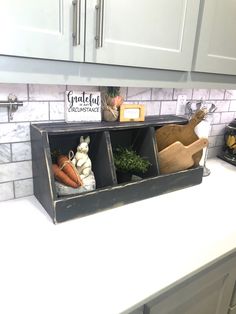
x,y
105,137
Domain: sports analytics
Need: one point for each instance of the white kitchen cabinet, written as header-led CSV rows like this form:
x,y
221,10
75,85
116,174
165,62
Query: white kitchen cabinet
x,y
211,290
216,46
153,34
42,29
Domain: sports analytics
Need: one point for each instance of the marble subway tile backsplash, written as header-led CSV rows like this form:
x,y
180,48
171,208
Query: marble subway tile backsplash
x,y
56,110
217,94
5,153
6,191
32,111
201,94
45,103
23,187
21,151
222,106
168,107
152,107
181,91
14,132
46,92
162,93
232,106
20,90
217,129
226,117
15,171
3,114
139,94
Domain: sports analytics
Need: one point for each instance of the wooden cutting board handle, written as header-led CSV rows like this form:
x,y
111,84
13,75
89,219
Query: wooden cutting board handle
x,y
196,146
197,118
185,134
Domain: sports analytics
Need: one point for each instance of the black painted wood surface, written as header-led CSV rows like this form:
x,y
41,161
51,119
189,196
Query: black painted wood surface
x,y
62,127
99,200
105,137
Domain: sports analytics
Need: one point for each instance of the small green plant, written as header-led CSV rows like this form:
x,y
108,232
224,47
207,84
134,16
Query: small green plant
x,y
127,160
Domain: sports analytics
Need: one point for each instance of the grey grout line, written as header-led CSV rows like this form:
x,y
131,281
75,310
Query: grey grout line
x,y
225,91
209,95
8,116
27,87
29,121
11,152
16,142
44,100
14,189
49,110
192,94
151,93
15,161
16,180
173,94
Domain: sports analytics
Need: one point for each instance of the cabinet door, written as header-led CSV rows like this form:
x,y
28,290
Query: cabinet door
x,y
216,51
153,34
40,29
208,292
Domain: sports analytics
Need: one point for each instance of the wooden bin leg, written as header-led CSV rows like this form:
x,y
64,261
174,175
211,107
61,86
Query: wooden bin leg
x,y
44,185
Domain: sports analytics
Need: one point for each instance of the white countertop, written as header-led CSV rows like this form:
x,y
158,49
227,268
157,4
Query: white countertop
x,y
107,262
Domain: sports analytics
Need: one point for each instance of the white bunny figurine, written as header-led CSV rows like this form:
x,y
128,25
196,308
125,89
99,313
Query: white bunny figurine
x,y
81,159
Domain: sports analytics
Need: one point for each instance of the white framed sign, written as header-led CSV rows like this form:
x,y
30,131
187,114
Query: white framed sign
x,y
82,106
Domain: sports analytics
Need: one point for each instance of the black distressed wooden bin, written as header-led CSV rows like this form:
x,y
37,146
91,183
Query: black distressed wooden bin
x,y
104,138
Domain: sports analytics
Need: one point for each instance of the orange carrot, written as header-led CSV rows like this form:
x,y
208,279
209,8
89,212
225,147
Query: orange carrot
x,y
66,166
62,177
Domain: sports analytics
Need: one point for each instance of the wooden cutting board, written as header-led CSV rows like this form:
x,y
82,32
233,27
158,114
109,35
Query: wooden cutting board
x,y
178,157
185,134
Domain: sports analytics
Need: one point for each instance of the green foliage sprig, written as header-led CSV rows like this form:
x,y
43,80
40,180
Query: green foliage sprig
x,y
127,160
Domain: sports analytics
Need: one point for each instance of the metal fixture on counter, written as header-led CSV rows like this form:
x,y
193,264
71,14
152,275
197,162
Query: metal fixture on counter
x,y
204,127
209,107
12,103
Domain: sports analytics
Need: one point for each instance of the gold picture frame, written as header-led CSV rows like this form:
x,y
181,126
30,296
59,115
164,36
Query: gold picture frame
x,y
132,113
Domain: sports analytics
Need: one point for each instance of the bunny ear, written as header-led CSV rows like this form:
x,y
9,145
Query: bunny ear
x,y
87,140
82,139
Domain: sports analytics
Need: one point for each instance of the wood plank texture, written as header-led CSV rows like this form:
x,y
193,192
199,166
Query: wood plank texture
x,y
185,134
110,197
178,157
104,138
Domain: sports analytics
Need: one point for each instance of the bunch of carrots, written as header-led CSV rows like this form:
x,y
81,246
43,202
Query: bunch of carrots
x,y
65,172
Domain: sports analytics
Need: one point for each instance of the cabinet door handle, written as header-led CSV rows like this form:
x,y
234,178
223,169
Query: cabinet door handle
x,y
99,23
76,22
